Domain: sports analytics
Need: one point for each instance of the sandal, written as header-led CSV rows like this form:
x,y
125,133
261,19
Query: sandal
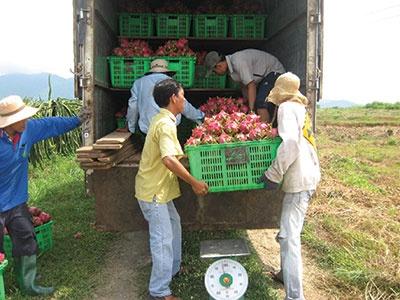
x,y
277,276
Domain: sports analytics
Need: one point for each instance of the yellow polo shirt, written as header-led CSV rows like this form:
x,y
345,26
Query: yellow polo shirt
x,y
153,178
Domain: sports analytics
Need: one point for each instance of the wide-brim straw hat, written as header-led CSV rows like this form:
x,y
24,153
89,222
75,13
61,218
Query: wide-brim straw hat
x,y
13,110
286,88
160,65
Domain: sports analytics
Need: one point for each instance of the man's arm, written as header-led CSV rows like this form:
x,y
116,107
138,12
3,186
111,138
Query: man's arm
x,y
191,112
132,114
44,128
172,163
251,94
289,149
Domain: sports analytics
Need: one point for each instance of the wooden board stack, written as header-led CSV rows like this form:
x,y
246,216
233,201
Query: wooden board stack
x,y
106,152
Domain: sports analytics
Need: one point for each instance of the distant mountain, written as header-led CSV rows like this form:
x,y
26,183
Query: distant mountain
x,y
335,103
36,86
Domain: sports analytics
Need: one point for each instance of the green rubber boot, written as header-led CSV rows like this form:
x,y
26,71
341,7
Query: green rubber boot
x,y
25,268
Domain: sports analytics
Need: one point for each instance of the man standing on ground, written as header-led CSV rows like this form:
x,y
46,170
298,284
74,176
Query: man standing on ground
x,y
156,185
17,136
296,167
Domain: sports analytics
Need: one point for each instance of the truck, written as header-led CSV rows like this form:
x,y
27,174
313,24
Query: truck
x,y
293,33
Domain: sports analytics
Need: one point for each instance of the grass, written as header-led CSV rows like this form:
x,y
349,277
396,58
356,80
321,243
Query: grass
x,y
72,265
191,286
353,231
357,116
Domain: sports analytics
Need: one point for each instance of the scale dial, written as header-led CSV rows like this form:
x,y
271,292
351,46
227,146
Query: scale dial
x,y
226,279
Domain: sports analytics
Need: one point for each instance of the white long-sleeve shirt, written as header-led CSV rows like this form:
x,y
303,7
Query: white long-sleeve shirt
x,y
296,164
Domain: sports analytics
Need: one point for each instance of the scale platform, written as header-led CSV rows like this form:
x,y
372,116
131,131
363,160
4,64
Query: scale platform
x,y
225,279
223,248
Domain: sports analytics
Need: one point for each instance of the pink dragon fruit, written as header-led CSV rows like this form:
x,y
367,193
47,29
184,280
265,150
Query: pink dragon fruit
x,y
224,138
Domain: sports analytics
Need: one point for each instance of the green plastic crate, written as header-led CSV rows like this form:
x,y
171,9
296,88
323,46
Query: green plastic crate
x,y
248,26
213,81
184,66
184,129
232,166
173,25
3,265
125,70
44,238
210,26
136,25
230,84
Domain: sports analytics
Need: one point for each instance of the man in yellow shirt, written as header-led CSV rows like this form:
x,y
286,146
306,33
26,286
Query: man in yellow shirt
x,y
157,185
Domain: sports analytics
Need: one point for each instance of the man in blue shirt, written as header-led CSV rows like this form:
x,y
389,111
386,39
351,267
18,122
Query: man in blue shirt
x,y
141,105
17,136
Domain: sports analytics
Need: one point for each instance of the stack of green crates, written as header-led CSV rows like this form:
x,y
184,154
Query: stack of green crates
x,y
173,25
184,66
210,26
44,238
125,70
213,81
136,25
232,166
248,26
230,84
3,265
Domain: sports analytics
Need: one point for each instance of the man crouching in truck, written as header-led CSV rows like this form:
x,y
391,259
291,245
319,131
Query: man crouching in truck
x,y
297,167
256,71
141,105
17,135
157,185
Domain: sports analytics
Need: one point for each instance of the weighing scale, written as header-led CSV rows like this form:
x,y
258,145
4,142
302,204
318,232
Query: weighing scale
x,y
225,279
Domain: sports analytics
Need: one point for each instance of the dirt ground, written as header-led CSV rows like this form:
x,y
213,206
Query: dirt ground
x,y
130,255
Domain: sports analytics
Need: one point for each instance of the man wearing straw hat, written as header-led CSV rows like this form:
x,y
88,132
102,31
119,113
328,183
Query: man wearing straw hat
x,y
17,136
296,168
141,105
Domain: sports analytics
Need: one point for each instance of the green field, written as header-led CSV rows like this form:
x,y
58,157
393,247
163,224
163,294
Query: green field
x,y
352,230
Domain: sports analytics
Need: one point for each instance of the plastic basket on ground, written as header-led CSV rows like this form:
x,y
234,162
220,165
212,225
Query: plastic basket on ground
x,y
210,26
3,265
173,25
213,81
184,66
232,166
136,25
248,26
44,238
125,70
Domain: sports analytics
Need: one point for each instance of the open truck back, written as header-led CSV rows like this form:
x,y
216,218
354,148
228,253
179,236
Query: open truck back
x,y
293,34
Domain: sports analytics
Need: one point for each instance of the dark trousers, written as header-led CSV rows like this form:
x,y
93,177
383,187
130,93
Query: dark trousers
x,y
18,222
263,89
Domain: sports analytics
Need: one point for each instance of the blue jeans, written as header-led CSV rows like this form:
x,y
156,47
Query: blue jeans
x,y
294,208
165,244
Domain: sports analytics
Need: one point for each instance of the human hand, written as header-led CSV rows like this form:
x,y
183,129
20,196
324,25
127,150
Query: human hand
x,y
200,188
268,184
84,114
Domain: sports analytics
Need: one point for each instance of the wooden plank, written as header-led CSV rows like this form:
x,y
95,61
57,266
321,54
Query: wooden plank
x,y
84,159
128,148
107,146
114,137
95,154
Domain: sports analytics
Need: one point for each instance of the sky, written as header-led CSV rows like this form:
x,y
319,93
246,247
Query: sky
x,y
361,45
